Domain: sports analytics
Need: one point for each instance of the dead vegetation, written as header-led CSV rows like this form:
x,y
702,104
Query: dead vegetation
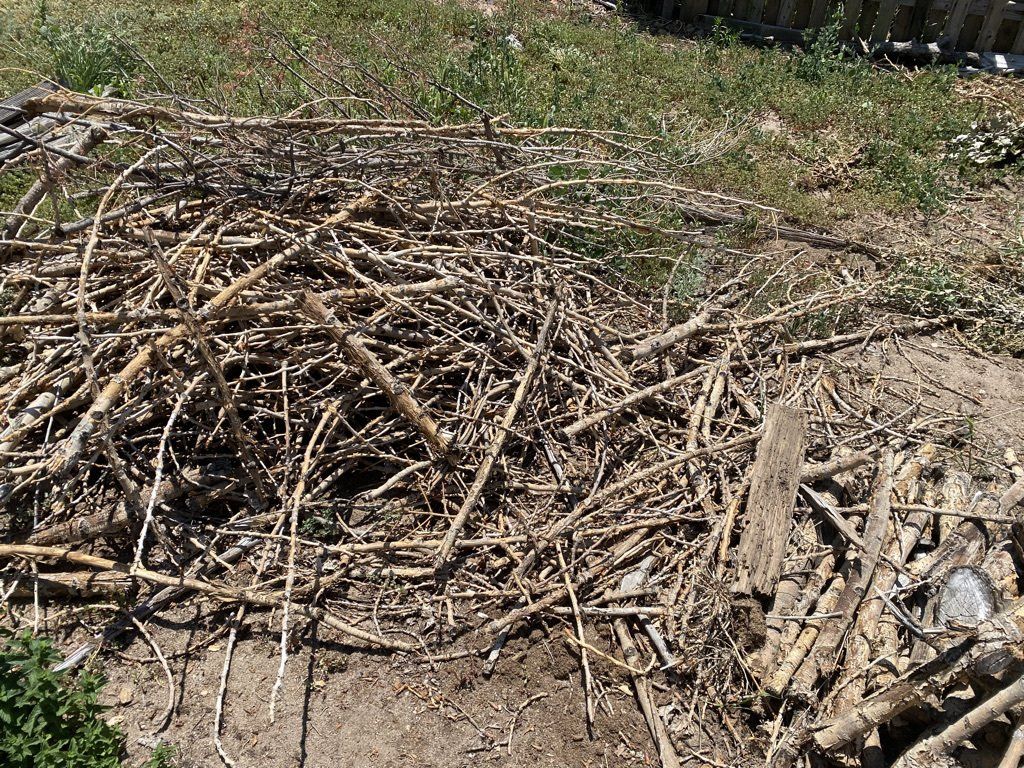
x,y
388,376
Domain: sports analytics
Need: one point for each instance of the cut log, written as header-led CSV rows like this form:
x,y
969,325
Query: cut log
x,y
869,634
824,657
773,489
993,647
666,340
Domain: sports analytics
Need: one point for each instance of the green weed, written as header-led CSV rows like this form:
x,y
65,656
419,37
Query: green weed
x,y
823,52
50,719
927,289
87,57
161,757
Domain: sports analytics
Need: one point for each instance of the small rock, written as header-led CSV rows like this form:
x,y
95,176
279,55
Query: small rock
x,y
125,695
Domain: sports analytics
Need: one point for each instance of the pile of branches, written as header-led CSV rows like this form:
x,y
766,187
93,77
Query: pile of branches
x,y
391,376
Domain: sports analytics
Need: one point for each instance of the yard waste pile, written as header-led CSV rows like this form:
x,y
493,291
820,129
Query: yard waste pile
x,y
400,378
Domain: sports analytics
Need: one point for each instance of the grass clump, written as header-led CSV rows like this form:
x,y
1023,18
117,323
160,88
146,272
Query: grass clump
x,y
50,719
87,57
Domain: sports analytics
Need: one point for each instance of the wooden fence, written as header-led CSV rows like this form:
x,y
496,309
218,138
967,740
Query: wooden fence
x,y
969,25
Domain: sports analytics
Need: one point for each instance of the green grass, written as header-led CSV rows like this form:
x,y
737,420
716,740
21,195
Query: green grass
x,y
849,138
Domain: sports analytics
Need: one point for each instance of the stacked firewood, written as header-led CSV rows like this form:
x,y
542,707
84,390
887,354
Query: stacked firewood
x,y
393,377
904,611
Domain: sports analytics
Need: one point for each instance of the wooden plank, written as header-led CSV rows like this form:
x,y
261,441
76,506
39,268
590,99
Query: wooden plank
x,y
1003,63
1014,11
918,19
785,16
10,108
955,20
990,26
819,11
886,14
933,25
1018,43
851,18
755,11
668,7
769,513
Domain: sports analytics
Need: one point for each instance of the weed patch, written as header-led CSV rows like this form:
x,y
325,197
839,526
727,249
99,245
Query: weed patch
x,y
50,719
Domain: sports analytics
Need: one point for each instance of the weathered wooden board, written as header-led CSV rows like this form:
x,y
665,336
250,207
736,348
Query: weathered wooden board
x,y
990,26
770,504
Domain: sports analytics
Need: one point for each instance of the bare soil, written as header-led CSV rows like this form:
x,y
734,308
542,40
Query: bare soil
x,y
344,707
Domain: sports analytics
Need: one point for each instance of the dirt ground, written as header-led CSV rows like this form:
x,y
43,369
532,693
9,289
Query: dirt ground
x,y
981,396
340,707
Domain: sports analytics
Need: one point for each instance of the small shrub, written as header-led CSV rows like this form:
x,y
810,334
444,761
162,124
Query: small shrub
x,y
86,57
50,719
161,757
823,52
927,289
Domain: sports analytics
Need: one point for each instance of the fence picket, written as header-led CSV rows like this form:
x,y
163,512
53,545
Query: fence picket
x,y
990,26
755,11
955,20
851,18
970,24
786,8
819,11
920,17
884,19
1018,43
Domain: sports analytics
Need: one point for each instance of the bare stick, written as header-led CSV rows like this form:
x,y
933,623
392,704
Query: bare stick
x,y
494,449
398,393
217,591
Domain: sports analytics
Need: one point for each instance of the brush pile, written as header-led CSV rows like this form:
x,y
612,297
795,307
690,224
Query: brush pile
x,y
393,377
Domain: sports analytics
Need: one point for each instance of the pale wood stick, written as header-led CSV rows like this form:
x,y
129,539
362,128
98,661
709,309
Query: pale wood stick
x,y
497,444
824,657
398,394
866,637
1015,751
216,591
77,584
92,138
815,473
664,341
879,708
782,677
930,751
659,733
329,416
588,683
639,396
